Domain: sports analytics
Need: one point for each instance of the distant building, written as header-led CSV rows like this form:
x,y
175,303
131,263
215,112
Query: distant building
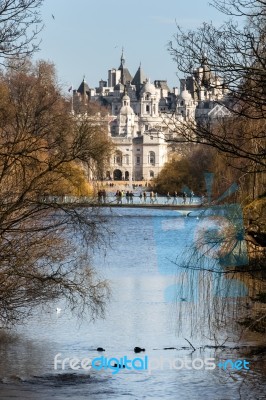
x,y
142,113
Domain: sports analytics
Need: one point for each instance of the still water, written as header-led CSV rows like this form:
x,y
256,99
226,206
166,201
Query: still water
x,y
144,311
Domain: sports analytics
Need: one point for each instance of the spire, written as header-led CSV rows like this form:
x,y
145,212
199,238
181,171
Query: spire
x,y
83,87
84,90
139,77
139,80
125,74
204,59
122,60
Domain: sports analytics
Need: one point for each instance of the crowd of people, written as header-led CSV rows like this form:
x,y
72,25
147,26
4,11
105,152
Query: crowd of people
x,y
184,195
129,195
147,197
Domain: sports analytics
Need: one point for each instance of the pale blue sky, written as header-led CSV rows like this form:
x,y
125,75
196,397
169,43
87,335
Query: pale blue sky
x,y
86,36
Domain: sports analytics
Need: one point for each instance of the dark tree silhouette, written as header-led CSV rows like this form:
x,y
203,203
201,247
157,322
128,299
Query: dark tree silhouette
x,y
234,51
20,24
44,244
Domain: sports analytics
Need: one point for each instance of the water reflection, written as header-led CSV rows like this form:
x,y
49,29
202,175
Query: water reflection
x,y
140,270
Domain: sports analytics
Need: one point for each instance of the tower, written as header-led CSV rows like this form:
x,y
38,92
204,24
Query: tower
x,y
125,75
126,118
149,101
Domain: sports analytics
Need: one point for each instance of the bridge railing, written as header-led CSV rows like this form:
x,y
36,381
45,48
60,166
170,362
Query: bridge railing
x,y
112,199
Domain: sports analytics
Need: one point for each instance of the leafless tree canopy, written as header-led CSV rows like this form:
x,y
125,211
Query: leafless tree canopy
x,y
235,52
20,24
44,152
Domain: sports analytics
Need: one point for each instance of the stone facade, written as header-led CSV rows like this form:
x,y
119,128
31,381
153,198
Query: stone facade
x,y
141,114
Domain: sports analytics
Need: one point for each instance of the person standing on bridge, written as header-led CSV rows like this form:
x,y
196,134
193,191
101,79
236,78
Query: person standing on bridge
x,y
168,197
100,196
151,197
131,195
127,196
144,197
175,198
118,197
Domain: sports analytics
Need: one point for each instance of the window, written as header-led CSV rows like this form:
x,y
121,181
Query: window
x,y
147,108
126,159
151,158
138,160
118,158
146,127
151,174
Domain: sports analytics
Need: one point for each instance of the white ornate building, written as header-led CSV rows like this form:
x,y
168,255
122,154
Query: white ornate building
x,y
142,113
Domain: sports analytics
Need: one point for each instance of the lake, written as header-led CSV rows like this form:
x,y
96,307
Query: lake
x,y
156,304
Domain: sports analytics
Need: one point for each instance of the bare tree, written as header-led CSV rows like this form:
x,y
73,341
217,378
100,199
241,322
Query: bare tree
x,y
45,244
231,58
234,51
20,24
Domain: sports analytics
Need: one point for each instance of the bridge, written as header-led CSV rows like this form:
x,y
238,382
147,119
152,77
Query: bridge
x,y
165,206
161,202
